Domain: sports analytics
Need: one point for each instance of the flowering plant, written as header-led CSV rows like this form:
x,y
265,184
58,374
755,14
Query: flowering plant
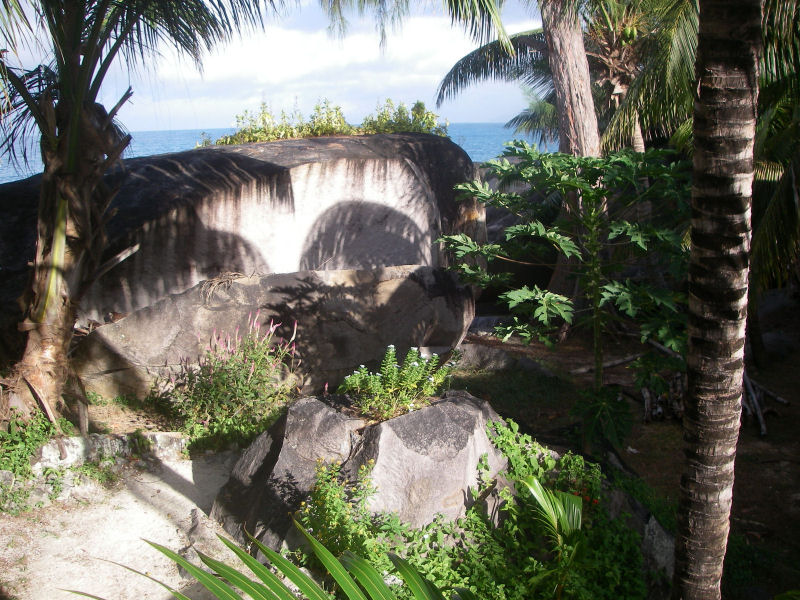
x,y
239,388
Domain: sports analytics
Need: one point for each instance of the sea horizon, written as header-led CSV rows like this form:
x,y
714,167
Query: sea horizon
x,y
482,141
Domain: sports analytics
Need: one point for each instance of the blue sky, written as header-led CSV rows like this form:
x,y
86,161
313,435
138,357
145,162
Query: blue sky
x,y
296,62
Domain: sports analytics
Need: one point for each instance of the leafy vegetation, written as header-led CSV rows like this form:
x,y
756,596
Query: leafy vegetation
x,y
396,389
618,214
518,558
328,119
17,446
240,388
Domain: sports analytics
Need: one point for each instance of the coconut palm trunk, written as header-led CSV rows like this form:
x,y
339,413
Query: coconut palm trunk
x,y
578,133
73,207
724,127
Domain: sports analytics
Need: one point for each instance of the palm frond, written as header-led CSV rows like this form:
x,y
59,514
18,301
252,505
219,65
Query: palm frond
x,y
481,19
781,43
528,64
661,95
776,240
23,121
12,21
539,119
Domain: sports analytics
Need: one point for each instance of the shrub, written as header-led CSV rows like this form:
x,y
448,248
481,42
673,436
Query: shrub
x,y
516,559
396,389
239,388
354,576
328,119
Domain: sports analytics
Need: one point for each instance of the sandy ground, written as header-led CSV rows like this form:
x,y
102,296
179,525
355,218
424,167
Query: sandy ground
x,y
68,546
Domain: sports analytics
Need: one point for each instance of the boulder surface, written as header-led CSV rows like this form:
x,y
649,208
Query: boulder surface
x,y
344,318
356,202
425,463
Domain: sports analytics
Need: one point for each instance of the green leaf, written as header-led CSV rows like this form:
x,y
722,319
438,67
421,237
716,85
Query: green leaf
x,y
208,581
234,577
369,578
335,568
272,581
419,586
304,583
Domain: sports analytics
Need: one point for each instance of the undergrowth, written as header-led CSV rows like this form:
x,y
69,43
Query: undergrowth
x,y
328,119
241,386
512,560
18,444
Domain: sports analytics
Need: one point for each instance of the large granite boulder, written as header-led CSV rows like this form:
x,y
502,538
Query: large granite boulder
x,y
358,202
425,463
344,318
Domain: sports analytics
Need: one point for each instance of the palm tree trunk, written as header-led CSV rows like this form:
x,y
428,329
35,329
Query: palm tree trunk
x,y
578,133
724,126
577,122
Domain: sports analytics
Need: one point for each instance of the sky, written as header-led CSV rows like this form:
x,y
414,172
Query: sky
x,y
296,62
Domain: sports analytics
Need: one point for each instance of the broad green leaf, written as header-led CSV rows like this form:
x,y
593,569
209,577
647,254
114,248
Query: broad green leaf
x,y
255,590
304,583
369,578
419,586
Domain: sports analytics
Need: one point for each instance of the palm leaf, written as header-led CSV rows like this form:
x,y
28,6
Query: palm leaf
x,y
368,577
527,64
420,587
776,239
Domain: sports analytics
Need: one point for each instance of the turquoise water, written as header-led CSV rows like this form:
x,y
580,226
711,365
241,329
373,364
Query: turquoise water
x,y
482,141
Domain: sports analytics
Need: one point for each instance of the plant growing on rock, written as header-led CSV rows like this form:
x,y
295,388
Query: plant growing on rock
x,y
239,388
396,389
329,119
516,559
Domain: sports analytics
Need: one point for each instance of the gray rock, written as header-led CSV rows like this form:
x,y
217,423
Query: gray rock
x,y
425,461
658,545
6,478
344,318
482,357
277,471
95,447
424,464
358,202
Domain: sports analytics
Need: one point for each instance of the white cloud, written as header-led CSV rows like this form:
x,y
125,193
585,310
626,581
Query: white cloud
x,y
289,64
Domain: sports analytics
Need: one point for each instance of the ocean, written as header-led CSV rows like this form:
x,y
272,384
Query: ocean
x,y
481,141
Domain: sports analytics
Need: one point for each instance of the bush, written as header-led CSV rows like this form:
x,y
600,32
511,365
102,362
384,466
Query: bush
x,y
329,119
239,389
513,560
18,444
396,389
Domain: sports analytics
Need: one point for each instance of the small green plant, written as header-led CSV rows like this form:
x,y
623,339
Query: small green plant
x,y
101,470
560,514
18,444
241,386
140,444
396,389
604,415
393,119
21,441
336,511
